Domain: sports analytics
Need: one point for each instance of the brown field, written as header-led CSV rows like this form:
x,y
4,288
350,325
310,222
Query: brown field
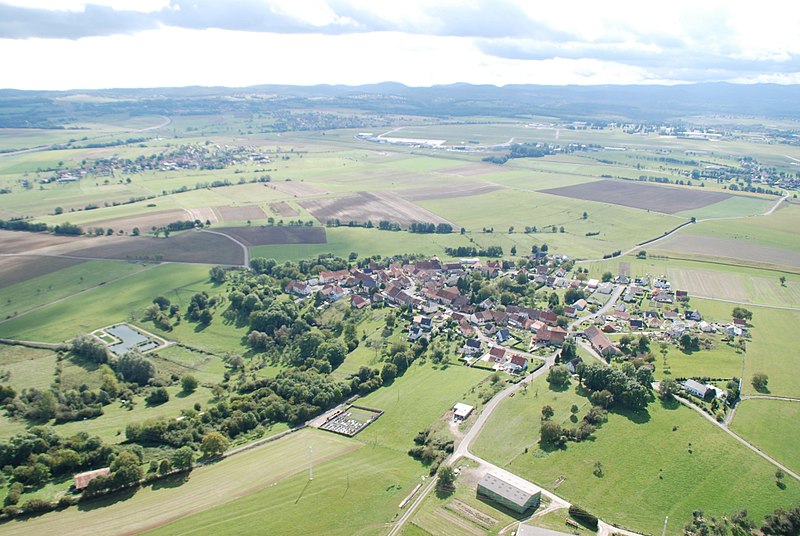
x,y
283,209
448,192
665,199
264,236
21,268
240,213
373,207
22,242
144,222
731,249
295,189
190,246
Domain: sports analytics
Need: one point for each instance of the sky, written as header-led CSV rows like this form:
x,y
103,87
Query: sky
x,y
96,44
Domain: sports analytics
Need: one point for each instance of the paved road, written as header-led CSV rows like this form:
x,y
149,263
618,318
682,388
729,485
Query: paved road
x,y
737,437
612,301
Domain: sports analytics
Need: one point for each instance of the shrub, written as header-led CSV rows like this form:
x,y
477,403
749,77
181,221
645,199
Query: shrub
x,y
584,517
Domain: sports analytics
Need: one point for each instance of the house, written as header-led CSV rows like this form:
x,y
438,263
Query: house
x,y
509,490
572,365
732,330
636,323
517,364
696,388
299,288
414,333
497,354
551,336
605,288
570,312
601,344
461,411
81,480
705,327
332,292
424,322
472,347
358,302
548,317
740,322
592,284
502,336
580,305
693,315
333,277
682,294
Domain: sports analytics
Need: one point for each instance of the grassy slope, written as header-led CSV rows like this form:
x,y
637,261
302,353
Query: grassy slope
x,y
771,425
62,283
719,475
771,351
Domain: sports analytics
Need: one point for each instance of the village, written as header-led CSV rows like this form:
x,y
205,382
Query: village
x,y
516,339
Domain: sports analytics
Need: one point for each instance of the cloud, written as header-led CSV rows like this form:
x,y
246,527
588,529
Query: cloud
x,y
23,23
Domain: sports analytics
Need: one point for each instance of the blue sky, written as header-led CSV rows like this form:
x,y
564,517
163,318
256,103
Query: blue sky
x,y
73,44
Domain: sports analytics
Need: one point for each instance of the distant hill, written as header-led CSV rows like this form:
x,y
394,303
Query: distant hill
x,y
49,109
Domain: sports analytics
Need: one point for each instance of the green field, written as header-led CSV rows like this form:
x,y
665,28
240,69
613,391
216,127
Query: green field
x,y
276,468
649,469
57,285
771,425
733,206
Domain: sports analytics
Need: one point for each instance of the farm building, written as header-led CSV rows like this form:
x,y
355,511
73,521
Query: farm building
x,y
461,411
510,491
696,388
81,480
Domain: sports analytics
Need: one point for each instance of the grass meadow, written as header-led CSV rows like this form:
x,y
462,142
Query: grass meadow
x,y
771,425
665,461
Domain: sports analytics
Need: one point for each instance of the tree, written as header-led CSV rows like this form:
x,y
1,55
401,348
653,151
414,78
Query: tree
x,y
332,351
158,396
183,458
558,376
189,383
742,314
782,279
218,274
667,389
547,412
585,216
447,478
760,381
644,344
214,444
551,433
90,348
136,368
388,373
607,276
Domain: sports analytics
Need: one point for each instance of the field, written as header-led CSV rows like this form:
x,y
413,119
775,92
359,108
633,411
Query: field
x,y
449,192
707,246
674,461
143,222
667,200
771,425
273,468
240,213
262,236
364,207
282,208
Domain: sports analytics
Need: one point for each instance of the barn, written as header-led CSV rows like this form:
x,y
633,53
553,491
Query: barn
x,y
510,491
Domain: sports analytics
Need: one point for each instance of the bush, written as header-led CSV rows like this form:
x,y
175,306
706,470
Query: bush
x,y
158,396
35,506
189,383
584,517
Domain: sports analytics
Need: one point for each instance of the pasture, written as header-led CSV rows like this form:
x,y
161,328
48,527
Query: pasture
x,y
708,247
73,277
674,461
278,467
771,425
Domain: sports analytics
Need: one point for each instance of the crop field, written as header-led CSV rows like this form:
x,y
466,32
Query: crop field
x,y
296,189
16,269
674,462
282,208
728,248
144,222
239,213
274,467
189,246
262,236
771,425
364,207
735,205
775,230
667,200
